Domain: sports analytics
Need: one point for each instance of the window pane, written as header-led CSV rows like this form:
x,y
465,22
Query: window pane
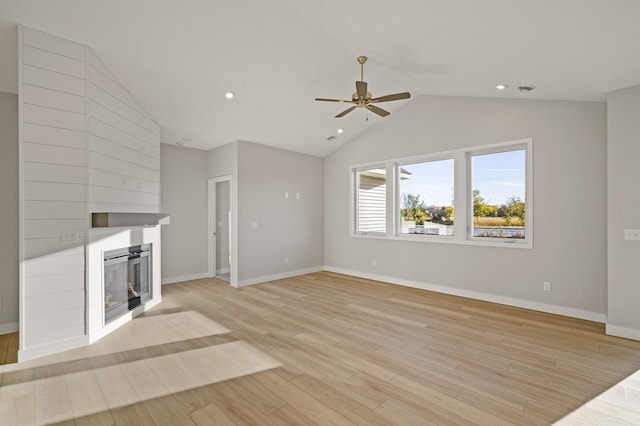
x,y
426,198
372,200
499,194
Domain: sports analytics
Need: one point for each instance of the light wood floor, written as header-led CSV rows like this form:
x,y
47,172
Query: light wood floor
x,y
329,349
8,348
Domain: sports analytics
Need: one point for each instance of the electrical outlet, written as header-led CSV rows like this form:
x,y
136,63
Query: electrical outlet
x,y
139,184
632,234
254,225
286,260
374,262
297,195
69,236
286,195
546,286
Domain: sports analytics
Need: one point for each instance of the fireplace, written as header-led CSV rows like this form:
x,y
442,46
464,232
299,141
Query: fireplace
x,y
127,280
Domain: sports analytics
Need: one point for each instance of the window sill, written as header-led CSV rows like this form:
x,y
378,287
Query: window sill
x,y
449,240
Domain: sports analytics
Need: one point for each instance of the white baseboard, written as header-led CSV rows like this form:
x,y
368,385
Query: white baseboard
x,y
627,333
520,303
52,348
7,328
171,280
280,276
223,271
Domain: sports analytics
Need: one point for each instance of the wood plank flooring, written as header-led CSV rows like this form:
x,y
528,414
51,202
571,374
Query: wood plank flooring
x,y
326,349
8,348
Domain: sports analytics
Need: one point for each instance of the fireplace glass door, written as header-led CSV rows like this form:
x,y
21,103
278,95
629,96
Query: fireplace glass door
x,y
127,280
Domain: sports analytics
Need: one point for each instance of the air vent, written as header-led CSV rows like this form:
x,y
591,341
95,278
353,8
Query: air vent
x,y
526,88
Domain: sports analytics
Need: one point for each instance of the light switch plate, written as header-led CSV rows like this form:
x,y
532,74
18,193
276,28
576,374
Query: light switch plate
x,y
69,236
632,234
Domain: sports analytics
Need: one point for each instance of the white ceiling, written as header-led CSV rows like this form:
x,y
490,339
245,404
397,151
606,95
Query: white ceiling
x,y
178,57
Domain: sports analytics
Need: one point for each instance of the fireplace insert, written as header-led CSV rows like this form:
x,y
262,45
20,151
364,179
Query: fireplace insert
x,y
127,279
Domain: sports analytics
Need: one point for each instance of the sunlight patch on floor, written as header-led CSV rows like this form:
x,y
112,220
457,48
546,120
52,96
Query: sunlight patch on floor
x,y
620,404
69,385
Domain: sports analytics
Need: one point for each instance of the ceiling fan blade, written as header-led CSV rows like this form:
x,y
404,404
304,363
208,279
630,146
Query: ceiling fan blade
x,y
379,111
333,100
394,97
346,111
361,89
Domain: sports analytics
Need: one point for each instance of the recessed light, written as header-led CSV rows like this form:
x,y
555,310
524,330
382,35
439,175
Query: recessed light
x,y
526,88
230,95
340,131
501,86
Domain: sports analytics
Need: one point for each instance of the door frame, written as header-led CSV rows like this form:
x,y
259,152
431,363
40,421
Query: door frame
x,y
211,228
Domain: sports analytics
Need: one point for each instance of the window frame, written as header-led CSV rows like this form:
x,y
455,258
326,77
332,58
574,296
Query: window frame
x,y
354,195
463,196
398,202
525,145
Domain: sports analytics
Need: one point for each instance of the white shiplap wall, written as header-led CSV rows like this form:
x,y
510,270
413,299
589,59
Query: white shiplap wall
x,y
86,146
124,146
54,193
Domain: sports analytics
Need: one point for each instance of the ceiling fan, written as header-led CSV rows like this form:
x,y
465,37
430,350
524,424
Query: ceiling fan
x,y
363,99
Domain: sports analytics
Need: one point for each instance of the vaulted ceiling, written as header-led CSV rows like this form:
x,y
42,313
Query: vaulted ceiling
x,y
179,57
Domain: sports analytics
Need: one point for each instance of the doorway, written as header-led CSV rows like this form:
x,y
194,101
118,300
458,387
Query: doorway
x,y
220,225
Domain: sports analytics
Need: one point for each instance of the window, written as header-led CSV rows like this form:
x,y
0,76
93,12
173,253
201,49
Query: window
x,y
371,197
426,198
414,198
498,194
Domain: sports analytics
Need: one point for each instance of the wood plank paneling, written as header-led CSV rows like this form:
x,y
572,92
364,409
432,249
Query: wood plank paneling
x,y
52,228
113,134
43,172
53,136
103,95
52,80
123,123
54,209
122,167
106,147
42,191
97,71
53,44
51,154
102,194
114,180
59,301
53,99
53,117
57,283
38,247
58,334
53,62
44,266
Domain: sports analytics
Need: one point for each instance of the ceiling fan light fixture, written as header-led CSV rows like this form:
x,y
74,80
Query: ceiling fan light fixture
x,y
362,98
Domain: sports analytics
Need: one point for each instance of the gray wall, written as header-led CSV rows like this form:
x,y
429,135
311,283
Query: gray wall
x,y
569,155
623,151
9,212
183,194
287,227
